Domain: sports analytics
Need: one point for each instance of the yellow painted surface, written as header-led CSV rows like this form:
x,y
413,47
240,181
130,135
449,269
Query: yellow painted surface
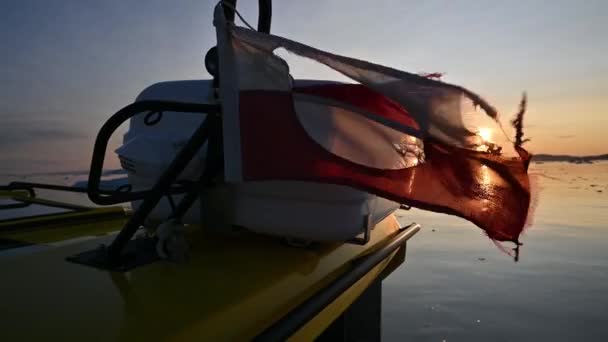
x,y
23,195
232,288
52,228
14,193
323,320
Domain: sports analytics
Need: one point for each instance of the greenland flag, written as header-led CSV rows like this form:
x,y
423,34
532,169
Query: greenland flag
x,y
395,134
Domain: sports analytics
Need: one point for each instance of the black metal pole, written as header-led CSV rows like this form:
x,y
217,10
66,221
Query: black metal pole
x,y
294,320
26,185
163,184
229,10
265,15
213,165
105,133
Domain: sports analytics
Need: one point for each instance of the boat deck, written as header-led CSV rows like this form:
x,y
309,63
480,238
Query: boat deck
x,y
233,287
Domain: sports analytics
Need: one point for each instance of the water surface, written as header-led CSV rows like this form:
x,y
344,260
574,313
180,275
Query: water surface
x,y
457,286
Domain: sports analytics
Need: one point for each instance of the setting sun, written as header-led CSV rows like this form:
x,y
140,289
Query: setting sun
x,y
485,133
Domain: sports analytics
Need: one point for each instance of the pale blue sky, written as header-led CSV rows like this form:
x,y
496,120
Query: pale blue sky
x,y
67,65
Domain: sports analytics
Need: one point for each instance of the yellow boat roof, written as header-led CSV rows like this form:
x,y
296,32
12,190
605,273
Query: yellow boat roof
x,y
232,288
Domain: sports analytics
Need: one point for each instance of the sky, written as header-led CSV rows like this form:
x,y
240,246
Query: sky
x,y
66,66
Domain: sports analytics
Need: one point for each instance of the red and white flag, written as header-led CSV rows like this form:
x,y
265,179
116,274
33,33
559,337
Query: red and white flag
x,y
395,134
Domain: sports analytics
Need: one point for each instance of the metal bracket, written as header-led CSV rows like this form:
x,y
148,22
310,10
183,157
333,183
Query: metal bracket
x,y
367,225
137,252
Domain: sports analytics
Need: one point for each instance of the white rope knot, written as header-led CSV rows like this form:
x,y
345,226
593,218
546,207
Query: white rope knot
x,y
172,244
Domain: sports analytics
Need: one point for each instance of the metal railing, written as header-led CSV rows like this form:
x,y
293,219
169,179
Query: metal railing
x,y
166,185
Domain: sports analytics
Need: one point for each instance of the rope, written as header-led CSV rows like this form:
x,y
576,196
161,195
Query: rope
x,y
238,14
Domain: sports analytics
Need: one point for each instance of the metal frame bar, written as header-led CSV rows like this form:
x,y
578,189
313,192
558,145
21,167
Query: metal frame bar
x,y
264,10
29,187
158,191
97,195
108,197
298,317
164,186
368,225
32,199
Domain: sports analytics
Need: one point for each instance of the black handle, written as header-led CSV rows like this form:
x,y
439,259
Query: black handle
x,y
265,16
101,197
